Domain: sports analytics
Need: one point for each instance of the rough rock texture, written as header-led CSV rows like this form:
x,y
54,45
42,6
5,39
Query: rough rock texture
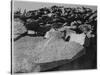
x,y
22,59
29,52
18,28
55,50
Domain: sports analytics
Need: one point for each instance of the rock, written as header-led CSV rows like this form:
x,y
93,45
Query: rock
x,y
29,52
23,61
31,32
57,50
18,28
78,38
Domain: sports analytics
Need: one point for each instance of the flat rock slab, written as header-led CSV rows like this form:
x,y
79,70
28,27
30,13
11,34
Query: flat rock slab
x,y
31,51
57,50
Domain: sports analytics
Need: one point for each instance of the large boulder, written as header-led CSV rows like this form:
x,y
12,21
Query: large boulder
x,y
29,52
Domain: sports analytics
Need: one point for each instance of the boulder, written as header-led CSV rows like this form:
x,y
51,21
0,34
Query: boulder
x,y
18,28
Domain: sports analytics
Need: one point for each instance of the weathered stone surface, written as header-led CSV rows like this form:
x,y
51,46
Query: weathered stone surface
x,y
57,50
18,28
29,52
23,60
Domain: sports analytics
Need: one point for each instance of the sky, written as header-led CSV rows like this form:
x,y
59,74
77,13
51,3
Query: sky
x,y
36,5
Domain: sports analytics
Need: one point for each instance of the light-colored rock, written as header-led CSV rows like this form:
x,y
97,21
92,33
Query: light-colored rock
x,y
53,33
29,52
31,32
18,28
78,38
23,61
57,50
